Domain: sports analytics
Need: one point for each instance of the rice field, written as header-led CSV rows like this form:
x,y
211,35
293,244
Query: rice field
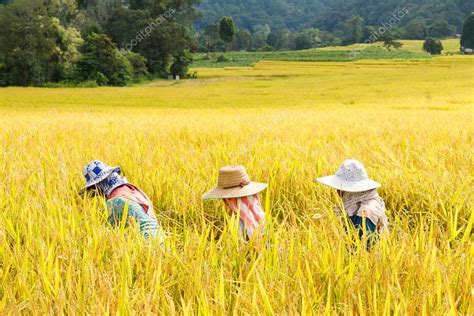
x,y
450,46
410,122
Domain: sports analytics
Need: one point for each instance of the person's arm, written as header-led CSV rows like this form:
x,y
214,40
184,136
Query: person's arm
x,y
383,225
115,207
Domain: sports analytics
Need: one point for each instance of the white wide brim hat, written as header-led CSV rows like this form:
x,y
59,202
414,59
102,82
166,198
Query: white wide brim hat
x,y
234,182
348,186
93,177
350,177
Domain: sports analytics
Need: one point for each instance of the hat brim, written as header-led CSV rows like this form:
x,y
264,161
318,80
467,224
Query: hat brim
x,y
104,175
358,186
250,189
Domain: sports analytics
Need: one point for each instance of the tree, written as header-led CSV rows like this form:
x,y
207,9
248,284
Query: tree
x,y
242,41
433,46
227,29
369,34
101,58
213,39
68,42
307,38
138,4
415,29
274,38
124,25
158,30
34,47
260,35
396,32
350,30
355,25
467,37
138,63
288,41
441,28
162,47
389,42
98,10
304,40
181,63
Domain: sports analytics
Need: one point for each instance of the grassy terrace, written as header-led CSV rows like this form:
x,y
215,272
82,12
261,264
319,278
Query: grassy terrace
x,y
410,50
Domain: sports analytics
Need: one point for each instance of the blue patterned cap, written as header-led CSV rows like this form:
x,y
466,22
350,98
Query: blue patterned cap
x,y
95,172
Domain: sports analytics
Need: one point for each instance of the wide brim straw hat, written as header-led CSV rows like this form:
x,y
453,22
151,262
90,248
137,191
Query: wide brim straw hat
x,y
234,182
351,177
96,171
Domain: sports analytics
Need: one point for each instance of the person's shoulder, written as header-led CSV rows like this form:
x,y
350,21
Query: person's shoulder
x,y
375,204
134,187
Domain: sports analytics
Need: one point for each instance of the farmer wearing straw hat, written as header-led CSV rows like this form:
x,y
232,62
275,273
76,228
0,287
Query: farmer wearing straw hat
x,y
359,195
120,195
240,195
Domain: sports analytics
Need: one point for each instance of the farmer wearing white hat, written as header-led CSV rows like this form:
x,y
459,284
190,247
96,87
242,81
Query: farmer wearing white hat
x,y
120,195
240,195
359,195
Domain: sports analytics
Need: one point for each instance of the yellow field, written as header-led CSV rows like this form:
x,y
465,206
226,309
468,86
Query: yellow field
x,y
410,122
450,46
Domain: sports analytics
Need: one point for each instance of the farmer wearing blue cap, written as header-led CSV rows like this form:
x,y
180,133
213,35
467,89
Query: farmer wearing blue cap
x,y
120,195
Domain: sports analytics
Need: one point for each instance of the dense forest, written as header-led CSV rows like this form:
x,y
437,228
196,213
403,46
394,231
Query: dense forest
x,y
302,24
96,42
326,15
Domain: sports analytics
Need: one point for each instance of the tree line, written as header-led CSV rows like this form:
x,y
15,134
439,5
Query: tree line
x,y
94,42
330,15
302,24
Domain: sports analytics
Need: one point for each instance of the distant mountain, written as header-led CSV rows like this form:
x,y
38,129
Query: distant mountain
x,y
326,14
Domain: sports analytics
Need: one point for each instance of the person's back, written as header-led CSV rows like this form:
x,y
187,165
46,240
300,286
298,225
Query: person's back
x,y
128,197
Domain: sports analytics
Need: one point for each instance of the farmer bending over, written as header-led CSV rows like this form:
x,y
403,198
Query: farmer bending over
x,y
359,195
241,199
107,182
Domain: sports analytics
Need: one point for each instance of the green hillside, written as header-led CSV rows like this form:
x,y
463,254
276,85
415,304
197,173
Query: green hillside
x,y
329,14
